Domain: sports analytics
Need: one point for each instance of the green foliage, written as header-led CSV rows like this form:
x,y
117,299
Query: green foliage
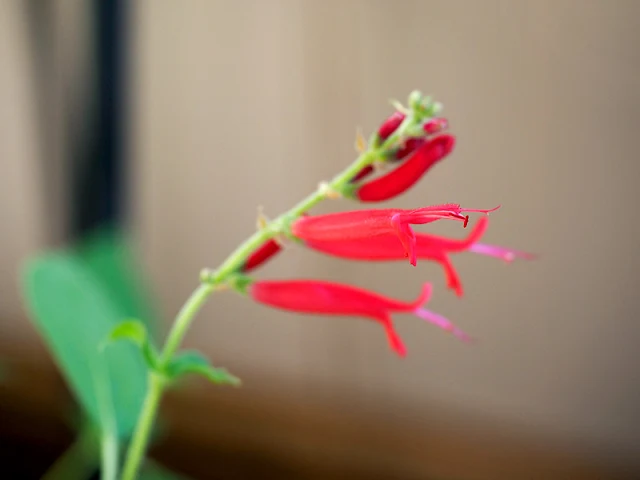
x,y
109,256
135,331
185,363
74,314
192,362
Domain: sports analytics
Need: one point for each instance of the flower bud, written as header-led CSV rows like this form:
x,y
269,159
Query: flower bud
x,y
390,125
407,174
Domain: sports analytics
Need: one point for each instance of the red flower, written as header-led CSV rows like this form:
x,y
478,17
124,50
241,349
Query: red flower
x,y
410,146
435,125
364,172
364,224
390,125
406,175
328,298
387,128
428,247
263,253
387,248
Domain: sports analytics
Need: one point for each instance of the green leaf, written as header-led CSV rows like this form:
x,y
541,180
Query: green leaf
x,y
74,314
108,254
191,362
132,330
136,332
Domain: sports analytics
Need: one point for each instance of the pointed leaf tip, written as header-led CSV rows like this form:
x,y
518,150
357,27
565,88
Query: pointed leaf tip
x,y
132,330
192,362
136,332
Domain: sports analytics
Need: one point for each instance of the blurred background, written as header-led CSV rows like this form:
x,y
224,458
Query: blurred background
x,y
174,121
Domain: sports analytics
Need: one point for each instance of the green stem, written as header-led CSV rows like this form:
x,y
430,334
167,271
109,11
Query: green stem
x,y
156,384
140,438
109,455
235,260
211,281
109,428
183,320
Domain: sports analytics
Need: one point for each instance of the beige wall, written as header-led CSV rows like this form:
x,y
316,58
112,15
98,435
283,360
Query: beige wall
x,y
240,104
21,215
33,187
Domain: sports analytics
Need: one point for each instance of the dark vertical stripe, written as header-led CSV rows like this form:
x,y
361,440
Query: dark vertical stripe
x,y
100,154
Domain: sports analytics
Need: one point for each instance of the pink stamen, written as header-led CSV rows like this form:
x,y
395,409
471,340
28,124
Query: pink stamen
x,y
506,254
479,210
442,322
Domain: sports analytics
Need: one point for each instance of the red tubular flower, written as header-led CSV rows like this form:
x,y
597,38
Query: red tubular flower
x,y
428,247
435,125
328,298
364,172
410,146
406,175
263,253
387,128
390,125
365,224
387,248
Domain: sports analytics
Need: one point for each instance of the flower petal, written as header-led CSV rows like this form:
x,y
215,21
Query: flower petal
x,y
395,342
406,175
262,254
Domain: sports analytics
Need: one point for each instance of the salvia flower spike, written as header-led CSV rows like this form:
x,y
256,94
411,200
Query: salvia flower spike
x,y
364,224
329,298
382,234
